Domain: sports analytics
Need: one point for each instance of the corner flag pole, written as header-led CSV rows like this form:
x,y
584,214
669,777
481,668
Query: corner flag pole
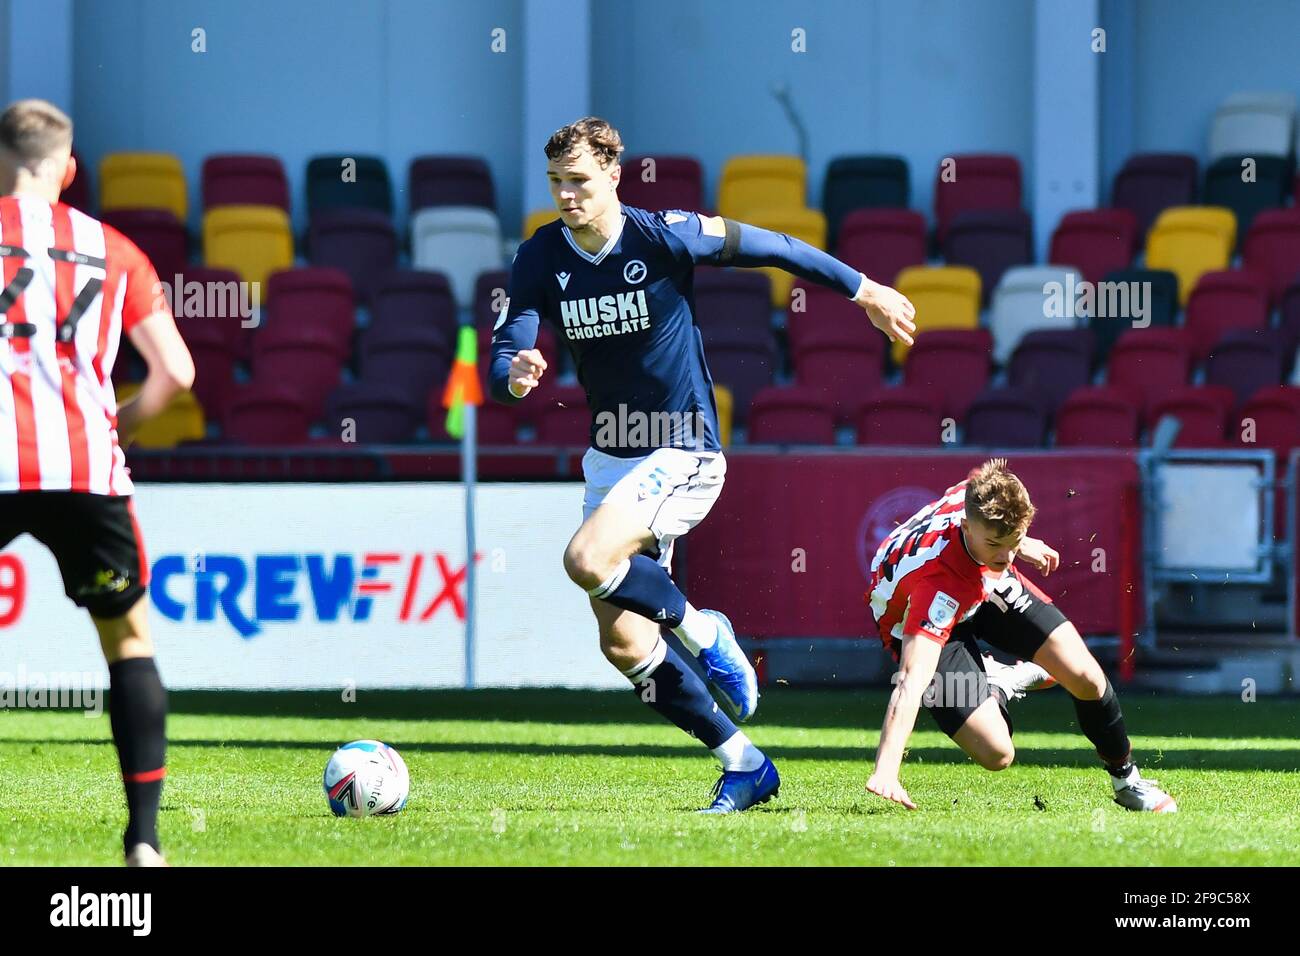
x,y
461,398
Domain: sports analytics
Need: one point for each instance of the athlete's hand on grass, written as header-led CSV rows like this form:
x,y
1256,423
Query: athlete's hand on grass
x,y
526,370
891,789
1039,555
889,310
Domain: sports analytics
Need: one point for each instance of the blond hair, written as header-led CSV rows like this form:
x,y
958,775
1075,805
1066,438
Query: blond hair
x,y
605,142
999,499
32,131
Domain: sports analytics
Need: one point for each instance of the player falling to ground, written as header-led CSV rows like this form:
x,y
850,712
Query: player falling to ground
x,y
71,287
616,282
945,579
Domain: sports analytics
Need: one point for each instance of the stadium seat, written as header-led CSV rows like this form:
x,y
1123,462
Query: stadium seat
x,y
945,297
672,182
1023,301
408,360
563,418
863,182
952,364
806,224
990,241
1120,297
356,182
160,236
821,317
1150,183
181,421
733,306
373,413
1098,418
1272,248
79,194
244,180
751,184
882,242
415,299
1224,186
449,181
1253,124
254,241
313,369
743,369
1095,241
309,305
538,218
490,296
210,299
1006,418
1236,299
359,242
974,181
842,371
1051,364
1245,360
267,413
1272,418
1151,362
900,416
724,401
791,415
143,181
1289,313
458,241
1190,241
1202,413
496,424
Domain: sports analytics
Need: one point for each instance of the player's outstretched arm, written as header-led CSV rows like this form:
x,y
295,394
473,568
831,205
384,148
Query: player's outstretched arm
x,y
171,370
916,668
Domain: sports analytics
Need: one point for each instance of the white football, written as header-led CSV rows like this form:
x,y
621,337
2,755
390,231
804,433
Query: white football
x,y
366,778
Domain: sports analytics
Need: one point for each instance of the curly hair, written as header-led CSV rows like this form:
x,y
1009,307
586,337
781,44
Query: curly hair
x,y
999,499
605,142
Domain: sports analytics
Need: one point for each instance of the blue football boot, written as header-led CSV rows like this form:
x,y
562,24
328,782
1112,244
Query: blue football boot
x,y
738,790
728,669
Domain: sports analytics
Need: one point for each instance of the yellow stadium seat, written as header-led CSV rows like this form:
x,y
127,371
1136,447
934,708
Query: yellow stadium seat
x,y
143,181
806,224
538,218
725,402
946,297
182,420
1190,241
254,241
752,183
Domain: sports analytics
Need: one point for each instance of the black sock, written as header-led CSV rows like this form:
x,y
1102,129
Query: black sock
x,y
675,691
646,589
137,710
1103,725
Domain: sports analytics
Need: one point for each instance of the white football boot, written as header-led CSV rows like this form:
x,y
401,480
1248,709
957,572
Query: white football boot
x,y
1018,678
1135,793
142,854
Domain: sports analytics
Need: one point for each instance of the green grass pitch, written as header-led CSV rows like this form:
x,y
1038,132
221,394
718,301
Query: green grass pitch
x,y
543,777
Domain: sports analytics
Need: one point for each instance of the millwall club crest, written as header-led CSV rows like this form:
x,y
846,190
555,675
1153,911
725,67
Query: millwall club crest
x,y
634,272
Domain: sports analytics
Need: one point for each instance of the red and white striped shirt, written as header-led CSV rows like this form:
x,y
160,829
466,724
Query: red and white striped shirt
x,y
71,287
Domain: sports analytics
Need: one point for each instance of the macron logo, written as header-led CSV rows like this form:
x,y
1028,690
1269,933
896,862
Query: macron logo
x,y
563,278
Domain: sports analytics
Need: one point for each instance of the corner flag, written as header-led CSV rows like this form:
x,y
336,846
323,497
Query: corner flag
x,y
463,386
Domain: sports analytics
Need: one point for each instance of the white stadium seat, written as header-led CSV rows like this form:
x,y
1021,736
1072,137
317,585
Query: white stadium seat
x,y
1019,305
458,241
1253,124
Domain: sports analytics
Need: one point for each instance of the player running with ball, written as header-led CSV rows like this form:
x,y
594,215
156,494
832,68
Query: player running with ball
x,y
616,283
943,580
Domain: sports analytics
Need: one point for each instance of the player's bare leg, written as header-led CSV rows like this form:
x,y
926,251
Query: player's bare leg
x,y
1066,657
138,714
986,738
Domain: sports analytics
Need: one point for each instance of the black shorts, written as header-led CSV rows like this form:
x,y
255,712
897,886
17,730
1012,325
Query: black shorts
x,y
1017,618
94,538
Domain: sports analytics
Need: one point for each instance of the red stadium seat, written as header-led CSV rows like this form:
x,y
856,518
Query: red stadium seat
x,y
744,369
562,416
1150,361
267,414
990,241
406,360
1202,412
1052,363
1272,248
882,242
210,297
677,183
1150,183
244,180
791,415
360,242
900,416
1272,418
1099,418
1095,241
821,317
160,236
78,194
733,307
953,364
974,181
415,299
1246,360
315,303
1006,418
841,374
450,181
373,413
1235,299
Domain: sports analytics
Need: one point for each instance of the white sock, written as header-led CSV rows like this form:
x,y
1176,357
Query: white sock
x,y
647,666
1119,783
697,631
737,752
611,583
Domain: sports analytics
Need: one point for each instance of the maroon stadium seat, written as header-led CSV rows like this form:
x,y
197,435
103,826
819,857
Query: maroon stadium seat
x,y
1202,412
1235,299
678,183
733,307
863,182
977,181
820,317
1095,241
1150,361
791,415
563,417
375,412
450,181
952,364
882,242
318,300
1275,413
78,195
1289,314
744,369
1105,417
1149,183
1006,418
990,241
842,371
244,180
407,360
360,242
900,416
267,414
1246,360
1272,248
414,299
486,298
160,236
1052,363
